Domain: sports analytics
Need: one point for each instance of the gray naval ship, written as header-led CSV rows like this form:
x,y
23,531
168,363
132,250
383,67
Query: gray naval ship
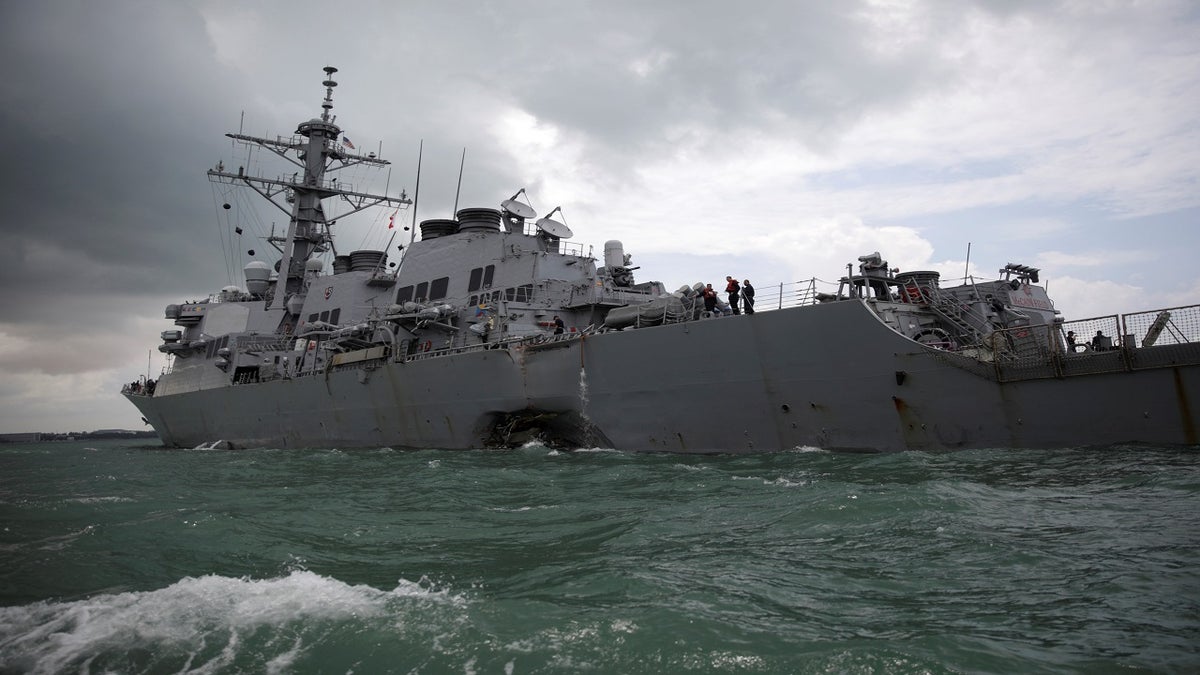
x,y
493,329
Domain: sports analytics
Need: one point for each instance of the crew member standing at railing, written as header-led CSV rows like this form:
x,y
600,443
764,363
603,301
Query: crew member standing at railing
x,y
748,296
732,288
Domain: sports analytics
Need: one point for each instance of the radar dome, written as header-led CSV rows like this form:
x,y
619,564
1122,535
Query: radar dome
x,y
614,254
258,276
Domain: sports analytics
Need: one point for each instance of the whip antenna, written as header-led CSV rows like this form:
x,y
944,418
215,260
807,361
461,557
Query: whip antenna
x,y
458,190
417,193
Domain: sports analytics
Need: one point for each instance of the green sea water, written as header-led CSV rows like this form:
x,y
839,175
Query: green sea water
x,y
145,560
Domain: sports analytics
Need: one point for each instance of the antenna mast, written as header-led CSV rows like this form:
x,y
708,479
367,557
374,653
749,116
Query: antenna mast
x,y
417,193
315,150
458,190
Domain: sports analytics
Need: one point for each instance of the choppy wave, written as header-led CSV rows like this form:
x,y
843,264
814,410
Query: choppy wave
x,y
209,624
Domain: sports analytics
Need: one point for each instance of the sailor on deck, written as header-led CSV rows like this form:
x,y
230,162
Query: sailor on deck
x,y
710,298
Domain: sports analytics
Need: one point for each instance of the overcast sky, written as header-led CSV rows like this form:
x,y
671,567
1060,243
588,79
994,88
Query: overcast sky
x,y
771,140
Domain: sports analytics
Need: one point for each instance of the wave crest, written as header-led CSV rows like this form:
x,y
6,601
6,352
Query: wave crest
x,y
257,623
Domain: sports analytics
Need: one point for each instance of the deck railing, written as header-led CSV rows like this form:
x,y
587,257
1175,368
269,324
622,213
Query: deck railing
x,y
1175,325
788,294
1130,342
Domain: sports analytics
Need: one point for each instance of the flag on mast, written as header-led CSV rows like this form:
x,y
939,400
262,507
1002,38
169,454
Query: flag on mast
x,y
346,142
392,219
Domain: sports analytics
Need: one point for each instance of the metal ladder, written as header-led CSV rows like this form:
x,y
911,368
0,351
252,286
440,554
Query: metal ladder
x,y
948,310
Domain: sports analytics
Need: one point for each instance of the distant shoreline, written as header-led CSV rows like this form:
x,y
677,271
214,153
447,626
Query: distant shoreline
x,y
41,436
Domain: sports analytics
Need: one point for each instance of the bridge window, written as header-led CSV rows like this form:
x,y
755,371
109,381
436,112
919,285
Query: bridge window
x,y
422,291
404,295
488,273
438,288
476,279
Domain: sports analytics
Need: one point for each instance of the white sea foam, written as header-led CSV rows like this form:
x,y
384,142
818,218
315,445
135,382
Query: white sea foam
x,y
59,636
59,542
596,450
520,509
780,481
99,500
284,662
623,626
723,660
784,482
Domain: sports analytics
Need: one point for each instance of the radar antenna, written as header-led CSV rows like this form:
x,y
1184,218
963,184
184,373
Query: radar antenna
x,y
516,208
516,212
553,227
327,104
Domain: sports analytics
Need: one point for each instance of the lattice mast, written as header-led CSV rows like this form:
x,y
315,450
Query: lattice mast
x,y
315,149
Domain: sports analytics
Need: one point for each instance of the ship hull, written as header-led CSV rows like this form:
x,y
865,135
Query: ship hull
x,y
831,376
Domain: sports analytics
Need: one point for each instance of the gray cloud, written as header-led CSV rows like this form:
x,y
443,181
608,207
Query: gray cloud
x,y
103,132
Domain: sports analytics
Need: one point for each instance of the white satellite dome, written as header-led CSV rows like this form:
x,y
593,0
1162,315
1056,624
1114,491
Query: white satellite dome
x,y
258,276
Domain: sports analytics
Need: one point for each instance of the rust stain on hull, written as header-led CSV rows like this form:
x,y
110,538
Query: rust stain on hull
x,y
1185,409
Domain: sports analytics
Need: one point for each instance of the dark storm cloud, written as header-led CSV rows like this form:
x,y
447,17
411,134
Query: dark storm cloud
x,y
103,108
98,203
